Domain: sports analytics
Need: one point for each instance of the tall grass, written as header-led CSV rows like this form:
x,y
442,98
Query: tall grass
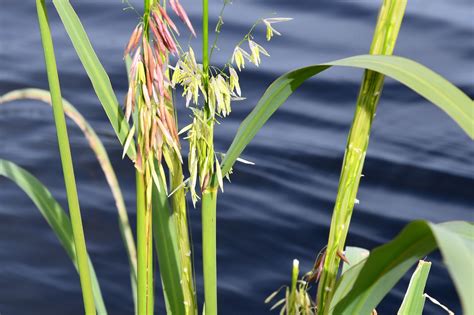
x,y
383,43
152,143
209,194
66,159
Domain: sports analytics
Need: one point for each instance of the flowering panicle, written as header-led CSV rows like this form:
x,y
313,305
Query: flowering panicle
x,y
178,9
270,29
240,55
217,89
148,100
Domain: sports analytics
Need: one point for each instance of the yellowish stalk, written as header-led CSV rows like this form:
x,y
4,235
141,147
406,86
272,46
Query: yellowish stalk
x,y
385,36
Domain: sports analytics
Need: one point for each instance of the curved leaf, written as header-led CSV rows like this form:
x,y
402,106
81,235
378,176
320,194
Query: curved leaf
x,y
54,215
422,80
96,72
102,157
362,287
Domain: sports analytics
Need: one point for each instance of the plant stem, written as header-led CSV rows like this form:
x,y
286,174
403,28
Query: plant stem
x,y
205,36
385,36
209,195
66,159
292,303
145,283
166,243
141,243
144,244
102,157
209,202
178,202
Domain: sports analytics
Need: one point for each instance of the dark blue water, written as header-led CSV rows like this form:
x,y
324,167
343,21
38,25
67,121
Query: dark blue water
x,y
419,162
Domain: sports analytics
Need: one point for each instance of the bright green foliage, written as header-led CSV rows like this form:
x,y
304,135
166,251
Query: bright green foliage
x,y
66,159
365,284
102,157
164,234
354,255
414,300
56,217
297,300
96,72
412,74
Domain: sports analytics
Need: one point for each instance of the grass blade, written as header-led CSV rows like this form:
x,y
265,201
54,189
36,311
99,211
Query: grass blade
x,y
96,72
364,285
66,159
422,80
414,300
104,161
458,257
56,217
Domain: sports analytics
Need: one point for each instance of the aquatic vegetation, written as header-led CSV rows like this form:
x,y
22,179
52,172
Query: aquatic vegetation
x,y
147,127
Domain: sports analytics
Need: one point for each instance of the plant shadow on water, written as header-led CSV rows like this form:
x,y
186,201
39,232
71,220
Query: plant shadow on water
x,y
275,211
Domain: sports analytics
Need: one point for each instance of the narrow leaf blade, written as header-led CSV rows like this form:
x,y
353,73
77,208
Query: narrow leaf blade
x,y
364,287
422,80
54,214
96,72
414,300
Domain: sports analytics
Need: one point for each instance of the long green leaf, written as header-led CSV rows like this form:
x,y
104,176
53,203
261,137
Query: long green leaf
x,y
102,157
66,158
96,72
422,80
54,214
459,257
364,285
414,300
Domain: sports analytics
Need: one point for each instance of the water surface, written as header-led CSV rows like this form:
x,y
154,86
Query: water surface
x,y
419,162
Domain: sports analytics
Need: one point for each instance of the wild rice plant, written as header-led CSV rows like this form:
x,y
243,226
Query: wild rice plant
x,y
147,128
66,159
383,43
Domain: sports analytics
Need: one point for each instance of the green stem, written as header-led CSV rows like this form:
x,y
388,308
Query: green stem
x,y
209,202
385,36
178,202
166,243
104,161
293,305
145,274
209,195
145,283
141,243
205,36
66,159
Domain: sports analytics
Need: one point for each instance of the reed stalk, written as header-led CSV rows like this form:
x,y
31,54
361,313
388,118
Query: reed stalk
x,y
144,249
292,299
178,203
209,203
383,43
66,159
209,194
145,283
